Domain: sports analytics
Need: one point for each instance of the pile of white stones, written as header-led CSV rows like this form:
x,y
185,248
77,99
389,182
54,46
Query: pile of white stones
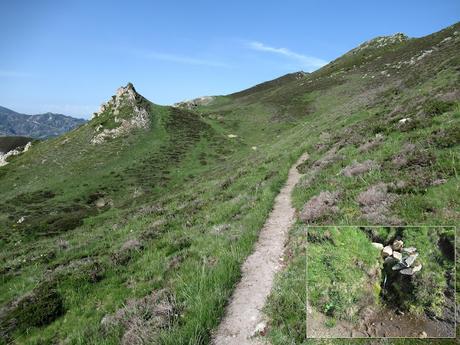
x,y
404,257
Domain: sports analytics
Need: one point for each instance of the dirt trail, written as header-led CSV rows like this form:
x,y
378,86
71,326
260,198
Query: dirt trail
x,y
244,312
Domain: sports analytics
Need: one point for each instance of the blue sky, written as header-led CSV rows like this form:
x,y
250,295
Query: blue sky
x,y
70,56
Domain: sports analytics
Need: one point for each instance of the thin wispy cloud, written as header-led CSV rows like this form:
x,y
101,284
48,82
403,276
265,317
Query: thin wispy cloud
x,y
306,61
184,59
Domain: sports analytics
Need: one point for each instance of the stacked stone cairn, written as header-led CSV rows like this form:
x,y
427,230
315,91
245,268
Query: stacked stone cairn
x,y
404,258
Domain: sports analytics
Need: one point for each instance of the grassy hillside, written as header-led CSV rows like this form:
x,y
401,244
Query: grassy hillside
x,y
382,129
140,238
369,166
170,211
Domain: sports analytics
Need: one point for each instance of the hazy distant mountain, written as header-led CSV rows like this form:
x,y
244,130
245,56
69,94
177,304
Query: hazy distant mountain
x,y
35,126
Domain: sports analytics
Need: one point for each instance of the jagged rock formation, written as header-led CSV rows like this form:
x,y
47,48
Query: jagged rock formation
x,y
193,103
126,111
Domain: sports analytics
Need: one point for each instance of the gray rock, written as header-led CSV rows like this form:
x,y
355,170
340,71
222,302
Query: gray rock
x,y
377,245
387,251
423,335
193,103
407,271
398,266
410,259
417,268
389,258
397,245
397,256
100,203
409,250
260,330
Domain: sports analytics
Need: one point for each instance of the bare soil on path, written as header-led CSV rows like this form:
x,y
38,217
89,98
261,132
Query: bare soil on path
x,y
244,312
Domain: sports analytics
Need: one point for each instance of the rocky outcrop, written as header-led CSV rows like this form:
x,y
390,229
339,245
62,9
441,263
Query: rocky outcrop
x,y
193,103
380,42
136,117
15,152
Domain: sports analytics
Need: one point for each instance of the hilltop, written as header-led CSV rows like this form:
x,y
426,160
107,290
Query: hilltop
x,y
133,227
38,126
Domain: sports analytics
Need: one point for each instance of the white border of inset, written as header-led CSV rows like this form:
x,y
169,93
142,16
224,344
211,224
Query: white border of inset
x,y
456,259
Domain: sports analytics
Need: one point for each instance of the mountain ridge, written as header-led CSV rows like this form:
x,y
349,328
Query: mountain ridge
x,y
38,126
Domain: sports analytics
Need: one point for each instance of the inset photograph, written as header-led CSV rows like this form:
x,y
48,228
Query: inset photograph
x,y
381,282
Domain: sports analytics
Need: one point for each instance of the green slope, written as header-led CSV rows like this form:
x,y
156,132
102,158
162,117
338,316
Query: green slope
x,y
174,207
350,111
141,237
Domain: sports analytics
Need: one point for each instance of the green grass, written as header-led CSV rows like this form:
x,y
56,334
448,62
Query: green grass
x,y
417,202
338,260
68,241
340,273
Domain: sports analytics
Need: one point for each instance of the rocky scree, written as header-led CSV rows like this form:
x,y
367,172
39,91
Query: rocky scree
x,y
196,102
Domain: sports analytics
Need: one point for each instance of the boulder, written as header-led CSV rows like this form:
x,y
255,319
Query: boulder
x,y
407,271
409,250
410,259
260,330
397,245
389,259
387,251
398,266
100,202
403,121
417,268
377,245
397,255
